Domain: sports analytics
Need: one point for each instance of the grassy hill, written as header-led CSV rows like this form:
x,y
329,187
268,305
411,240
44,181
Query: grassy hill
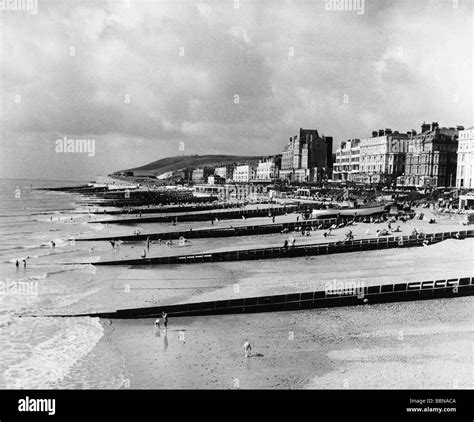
x,y
190,161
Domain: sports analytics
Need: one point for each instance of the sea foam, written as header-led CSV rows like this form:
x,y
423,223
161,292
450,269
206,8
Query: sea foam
x,y
50,361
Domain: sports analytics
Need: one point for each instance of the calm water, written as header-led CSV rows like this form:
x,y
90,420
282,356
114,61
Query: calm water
x,y
41,352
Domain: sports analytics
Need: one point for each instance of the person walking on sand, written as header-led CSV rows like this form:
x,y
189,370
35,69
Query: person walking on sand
x,y
247,349
165,319
157,323
17,264
148,244
24,263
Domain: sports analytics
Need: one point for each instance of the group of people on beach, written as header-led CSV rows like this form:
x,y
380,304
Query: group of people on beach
x,y
289,243
181,241
329,232
17,263
164,316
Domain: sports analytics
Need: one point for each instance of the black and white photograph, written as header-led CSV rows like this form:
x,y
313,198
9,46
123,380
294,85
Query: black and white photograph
x,y
234,195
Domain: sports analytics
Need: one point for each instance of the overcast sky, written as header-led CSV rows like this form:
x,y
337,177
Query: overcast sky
x,y
140,77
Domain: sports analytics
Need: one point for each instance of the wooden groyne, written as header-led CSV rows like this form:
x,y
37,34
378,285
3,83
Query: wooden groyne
x,y
204,216
247,230
298,250
83,189
345,294
132,197
169,209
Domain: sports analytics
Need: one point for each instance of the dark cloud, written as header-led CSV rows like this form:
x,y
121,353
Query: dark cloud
x,y
181,66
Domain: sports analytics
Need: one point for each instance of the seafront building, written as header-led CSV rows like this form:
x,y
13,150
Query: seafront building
x,y
307,157
431,159
244,173
214,179
465,163
201,174
267,170
382,156
465,168
226,172
183,175
346,165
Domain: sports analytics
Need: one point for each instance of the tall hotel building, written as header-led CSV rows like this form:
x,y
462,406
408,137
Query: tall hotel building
x,y
431,159
382,156
465,164
307,157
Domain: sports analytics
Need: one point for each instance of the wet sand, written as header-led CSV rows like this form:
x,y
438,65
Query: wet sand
x,y
359,230
131,287
401,345
415,345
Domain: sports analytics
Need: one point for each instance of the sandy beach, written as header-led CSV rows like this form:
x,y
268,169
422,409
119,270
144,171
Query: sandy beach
x,y
133,250
149,286
374,346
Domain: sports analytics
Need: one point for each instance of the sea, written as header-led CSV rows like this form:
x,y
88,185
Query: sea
x,y
37,350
